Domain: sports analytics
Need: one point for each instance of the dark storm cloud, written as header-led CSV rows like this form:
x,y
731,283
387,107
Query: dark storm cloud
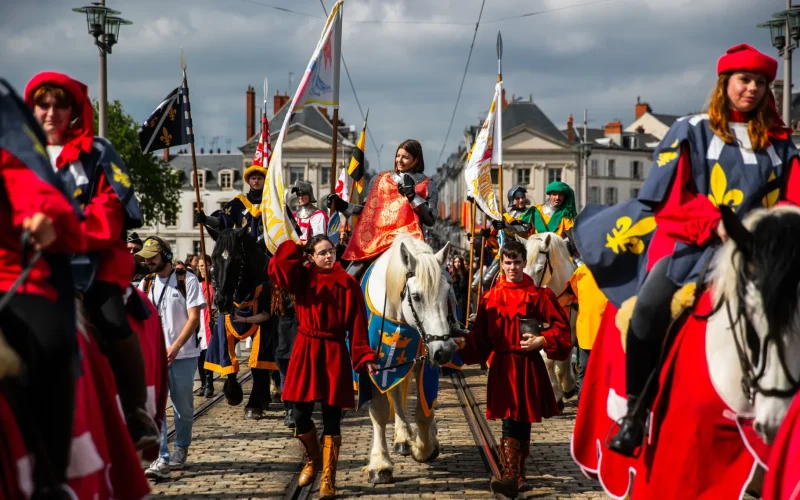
x,y
600,56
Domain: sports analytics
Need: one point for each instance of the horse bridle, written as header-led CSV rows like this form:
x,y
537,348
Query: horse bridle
x,y
548,266
420,328
751,377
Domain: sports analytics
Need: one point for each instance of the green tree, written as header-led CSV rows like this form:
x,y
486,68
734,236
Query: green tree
x,y
157,186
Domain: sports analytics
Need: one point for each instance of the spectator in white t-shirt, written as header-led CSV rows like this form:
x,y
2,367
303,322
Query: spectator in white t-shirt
x,y
178,298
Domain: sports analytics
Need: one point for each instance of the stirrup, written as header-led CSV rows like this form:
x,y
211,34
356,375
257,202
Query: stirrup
x,y
620,423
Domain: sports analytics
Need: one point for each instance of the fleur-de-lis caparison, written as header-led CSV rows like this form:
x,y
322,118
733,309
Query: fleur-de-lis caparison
x,y
626,236
720,195
120,176
166,137
771,198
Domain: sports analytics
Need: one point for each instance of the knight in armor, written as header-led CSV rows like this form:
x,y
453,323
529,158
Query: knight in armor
x,y
739,154
399,201
102,270
242,210
311,220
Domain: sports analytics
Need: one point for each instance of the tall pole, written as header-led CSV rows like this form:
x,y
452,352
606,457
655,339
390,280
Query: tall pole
x,y
585,179
102,92
334,146
471,258
483,250
500,119
787,71
194,172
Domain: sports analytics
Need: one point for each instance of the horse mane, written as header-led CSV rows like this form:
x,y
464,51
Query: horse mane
x,y
774,266
226,241
428,271
557,244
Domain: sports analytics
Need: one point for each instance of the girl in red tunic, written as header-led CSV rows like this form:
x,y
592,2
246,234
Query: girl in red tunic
x,y
329,304
518,390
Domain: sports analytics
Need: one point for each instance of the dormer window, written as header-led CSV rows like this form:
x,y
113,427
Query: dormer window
x,y
226,180
201,179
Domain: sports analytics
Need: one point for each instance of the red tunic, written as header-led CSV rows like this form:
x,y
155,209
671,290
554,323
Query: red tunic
x,y
27,194
782,481
329,304
518,386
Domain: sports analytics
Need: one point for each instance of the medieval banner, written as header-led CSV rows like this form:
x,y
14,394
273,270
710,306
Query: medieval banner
x,y
485,153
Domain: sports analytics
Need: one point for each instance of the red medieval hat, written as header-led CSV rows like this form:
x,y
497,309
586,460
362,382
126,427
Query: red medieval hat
x,y
743,57
80,134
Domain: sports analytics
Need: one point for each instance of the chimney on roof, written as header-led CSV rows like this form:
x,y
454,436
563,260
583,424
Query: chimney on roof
x,y
251,112
641,108
640,129
201,150
614,131
278,101
570,129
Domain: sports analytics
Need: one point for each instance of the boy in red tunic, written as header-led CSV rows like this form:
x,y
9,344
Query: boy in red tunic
x,y
518,391
329,303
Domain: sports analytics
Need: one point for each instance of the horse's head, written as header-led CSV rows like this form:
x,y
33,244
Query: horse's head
x,y
419,293
232,269
758,275
548,261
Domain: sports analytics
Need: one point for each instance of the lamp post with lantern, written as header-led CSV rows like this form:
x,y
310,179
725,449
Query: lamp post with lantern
x,y
103,25
784,30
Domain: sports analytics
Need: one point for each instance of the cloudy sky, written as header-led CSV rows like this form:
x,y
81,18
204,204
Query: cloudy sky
x,y
406,57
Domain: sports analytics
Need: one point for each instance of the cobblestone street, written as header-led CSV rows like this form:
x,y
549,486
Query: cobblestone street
x,y
235,458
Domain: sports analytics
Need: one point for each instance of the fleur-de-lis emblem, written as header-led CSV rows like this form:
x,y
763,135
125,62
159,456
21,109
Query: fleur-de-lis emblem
x,y
674,144
720,195
166,137
666,157
771,198
120,176
626,236
172,113
77,193
227,210
154,122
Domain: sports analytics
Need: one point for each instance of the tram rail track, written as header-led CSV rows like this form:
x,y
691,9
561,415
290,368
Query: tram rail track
x,y
481,433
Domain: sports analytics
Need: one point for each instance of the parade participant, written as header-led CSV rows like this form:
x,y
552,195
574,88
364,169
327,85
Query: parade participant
x,y
242,210
557,215
178,300
400,201
739,154
206,326
39,320
311,220
134,243
330,309
515,223
91,168
518,389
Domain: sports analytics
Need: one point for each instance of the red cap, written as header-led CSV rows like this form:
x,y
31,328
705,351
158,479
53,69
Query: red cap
x,y
743,57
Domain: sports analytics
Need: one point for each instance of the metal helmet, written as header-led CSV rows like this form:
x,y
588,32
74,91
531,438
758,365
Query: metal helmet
x,y
304,187
512,193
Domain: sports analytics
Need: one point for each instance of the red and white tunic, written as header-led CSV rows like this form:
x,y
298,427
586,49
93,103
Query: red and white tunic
x,y
311,225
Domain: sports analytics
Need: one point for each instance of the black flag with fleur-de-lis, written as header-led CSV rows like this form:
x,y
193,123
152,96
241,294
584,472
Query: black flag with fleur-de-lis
x,y
169,125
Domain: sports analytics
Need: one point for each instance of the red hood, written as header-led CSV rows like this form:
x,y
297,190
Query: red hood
x,y
80,134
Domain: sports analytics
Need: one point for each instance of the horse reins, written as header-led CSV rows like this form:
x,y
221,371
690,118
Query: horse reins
x,y
27,268
548,266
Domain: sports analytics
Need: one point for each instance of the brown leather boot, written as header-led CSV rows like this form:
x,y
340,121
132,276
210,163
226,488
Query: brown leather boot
x,y
313,454
524,453
508,484
330,457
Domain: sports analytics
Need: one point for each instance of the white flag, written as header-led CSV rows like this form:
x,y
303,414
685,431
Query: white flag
x,y
319,87
342,186
486,151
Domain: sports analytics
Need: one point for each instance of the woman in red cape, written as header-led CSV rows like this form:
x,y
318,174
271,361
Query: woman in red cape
x,y
329,304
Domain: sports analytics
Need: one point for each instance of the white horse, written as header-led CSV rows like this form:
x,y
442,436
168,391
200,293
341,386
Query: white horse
x,y
756,285
550,265
407,283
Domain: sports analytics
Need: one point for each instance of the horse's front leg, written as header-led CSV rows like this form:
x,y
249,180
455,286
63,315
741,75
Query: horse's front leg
x,y
555,383
402,429
380,464
425,447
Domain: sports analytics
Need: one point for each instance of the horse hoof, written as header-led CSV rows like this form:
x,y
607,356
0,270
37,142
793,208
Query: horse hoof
x,y
433,456
253,414
383,476
233,392
560,405
402,449
570,394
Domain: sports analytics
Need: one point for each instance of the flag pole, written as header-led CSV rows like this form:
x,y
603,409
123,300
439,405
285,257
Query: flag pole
x,y
194,175
483,249
471,258
500,119
337,49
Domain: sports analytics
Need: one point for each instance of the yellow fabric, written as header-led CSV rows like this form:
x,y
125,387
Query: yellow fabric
x,y
563,226
591,306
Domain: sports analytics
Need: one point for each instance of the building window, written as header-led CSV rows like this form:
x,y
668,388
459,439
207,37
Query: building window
x,y
296,174
594,195
611,196
636,170
170,221
634,192
611,168
194,207
226,180
553,175
523,176
324,176
594,167
494,176
201,179
198,250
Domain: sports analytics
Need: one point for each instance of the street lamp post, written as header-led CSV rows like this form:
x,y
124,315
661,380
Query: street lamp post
x,y
103,25
784,30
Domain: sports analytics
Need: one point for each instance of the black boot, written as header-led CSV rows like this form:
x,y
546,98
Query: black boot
x,y
209,390
630,435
